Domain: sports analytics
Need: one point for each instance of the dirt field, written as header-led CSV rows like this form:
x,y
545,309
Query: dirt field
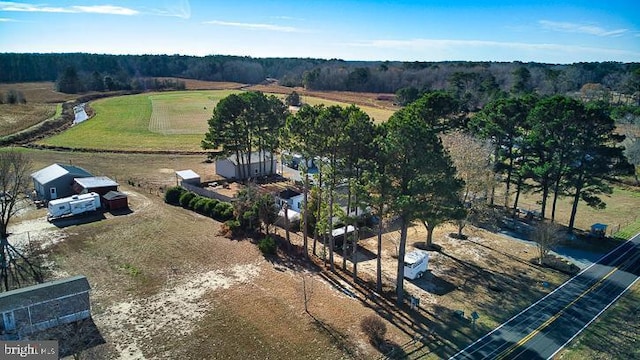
x,y
166,286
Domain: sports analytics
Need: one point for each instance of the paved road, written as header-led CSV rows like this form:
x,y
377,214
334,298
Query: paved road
x,y
544,328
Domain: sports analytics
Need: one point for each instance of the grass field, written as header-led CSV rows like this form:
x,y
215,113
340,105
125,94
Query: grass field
x,y
15,118
157,121
183,112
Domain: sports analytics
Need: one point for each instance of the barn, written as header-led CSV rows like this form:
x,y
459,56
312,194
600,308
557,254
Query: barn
x,y
43,306
97,184
56,181
115,200
260,164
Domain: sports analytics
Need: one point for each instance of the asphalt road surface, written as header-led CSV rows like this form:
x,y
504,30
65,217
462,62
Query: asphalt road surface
x,y
545,327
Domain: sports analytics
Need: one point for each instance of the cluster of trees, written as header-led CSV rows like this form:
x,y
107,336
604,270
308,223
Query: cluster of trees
x,y
556,146
476,82
70,81
431,162
13,97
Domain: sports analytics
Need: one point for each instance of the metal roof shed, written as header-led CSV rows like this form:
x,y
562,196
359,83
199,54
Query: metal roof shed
x,y
114,200
55,181
97,184
188,177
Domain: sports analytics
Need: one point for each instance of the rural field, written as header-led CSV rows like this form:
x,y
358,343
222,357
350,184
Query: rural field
x,y
165,121
167,284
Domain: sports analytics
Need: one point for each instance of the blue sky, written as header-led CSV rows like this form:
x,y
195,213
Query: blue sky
x,y
540,31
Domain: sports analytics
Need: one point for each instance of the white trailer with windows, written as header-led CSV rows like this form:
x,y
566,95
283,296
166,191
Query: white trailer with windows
x,y
415,264
73,205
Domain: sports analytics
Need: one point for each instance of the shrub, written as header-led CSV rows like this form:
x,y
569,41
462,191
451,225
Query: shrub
x,y
267,245
230,228
172,196
223,211
201,204
210,206
186,198
194,201
374,328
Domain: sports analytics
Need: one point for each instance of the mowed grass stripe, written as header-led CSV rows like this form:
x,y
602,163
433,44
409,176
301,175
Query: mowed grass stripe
x,y
184,112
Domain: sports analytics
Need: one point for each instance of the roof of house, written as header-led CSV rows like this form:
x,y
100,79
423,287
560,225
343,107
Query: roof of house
x,y
287,194
42,292
187,174
113,195
56,171
256,157
95,182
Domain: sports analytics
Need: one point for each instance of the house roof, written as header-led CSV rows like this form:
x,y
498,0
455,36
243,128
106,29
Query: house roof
x,y
287,194
187,174
56,171
113,195
41,292
256,157
95,182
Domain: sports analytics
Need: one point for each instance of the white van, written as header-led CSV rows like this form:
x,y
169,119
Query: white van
x,y
415,264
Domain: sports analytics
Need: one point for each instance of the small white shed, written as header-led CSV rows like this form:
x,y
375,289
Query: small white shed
x,y
188,177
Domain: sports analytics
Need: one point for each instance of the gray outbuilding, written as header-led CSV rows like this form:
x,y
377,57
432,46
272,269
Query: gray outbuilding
x,y
56,181
43,306
260,164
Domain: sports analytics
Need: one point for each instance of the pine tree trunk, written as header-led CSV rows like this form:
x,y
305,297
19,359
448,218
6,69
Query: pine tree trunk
x,y
305,217
401,251
379,256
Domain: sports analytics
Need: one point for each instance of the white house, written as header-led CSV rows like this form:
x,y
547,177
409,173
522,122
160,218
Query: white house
x,y
260,164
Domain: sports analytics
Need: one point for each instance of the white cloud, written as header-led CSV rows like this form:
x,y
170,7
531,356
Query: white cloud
x,y
7,20
460,45
176,8
94,9
106,9
580,28
253,26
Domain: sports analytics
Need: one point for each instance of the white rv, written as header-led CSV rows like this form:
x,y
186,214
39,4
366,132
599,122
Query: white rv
x,y
73,205
415,264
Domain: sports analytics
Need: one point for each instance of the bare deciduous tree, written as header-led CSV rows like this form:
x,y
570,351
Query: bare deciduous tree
x,y
15,268
546,234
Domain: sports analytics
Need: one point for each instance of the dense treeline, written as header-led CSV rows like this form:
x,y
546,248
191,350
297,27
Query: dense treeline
x,y
477,81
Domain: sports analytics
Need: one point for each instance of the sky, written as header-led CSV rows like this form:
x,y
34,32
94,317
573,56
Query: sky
x,y
555,32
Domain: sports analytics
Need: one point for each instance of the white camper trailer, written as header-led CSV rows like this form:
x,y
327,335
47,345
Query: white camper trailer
x,y
415,264
73,205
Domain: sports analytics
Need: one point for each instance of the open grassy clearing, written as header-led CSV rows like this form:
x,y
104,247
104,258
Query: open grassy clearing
x,y
15,118
622,209
156,121
377,114
38,92
122,123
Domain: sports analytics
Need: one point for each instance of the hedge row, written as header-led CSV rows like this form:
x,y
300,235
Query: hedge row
x,y
218,210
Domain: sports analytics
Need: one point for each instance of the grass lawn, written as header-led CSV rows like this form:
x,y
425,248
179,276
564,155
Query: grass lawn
x,y
157,121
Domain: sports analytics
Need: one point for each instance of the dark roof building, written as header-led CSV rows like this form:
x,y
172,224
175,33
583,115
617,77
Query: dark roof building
x,y
115,200
55,181
43,306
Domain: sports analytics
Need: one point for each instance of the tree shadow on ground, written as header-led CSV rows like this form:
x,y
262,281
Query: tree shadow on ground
x,y
434,284
74,338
